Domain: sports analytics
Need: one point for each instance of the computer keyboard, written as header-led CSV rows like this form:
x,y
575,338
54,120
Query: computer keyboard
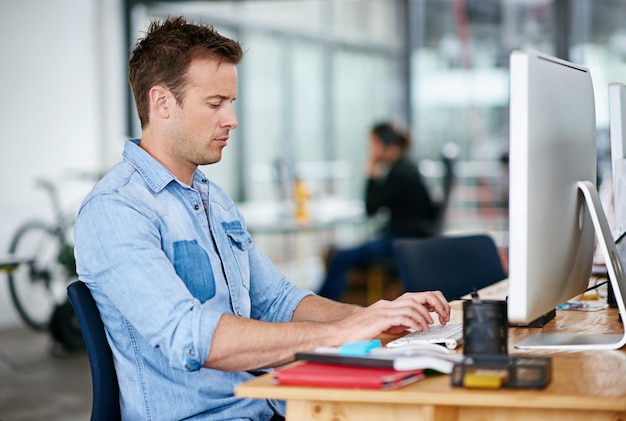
x,y
449,335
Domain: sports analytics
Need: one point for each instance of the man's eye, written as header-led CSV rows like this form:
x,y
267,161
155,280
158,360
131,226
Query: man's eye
x,y
215,104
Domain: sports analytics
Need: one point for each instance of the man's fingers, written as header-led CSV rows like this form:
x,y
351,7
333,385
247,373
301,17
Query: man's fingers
x,y
437,303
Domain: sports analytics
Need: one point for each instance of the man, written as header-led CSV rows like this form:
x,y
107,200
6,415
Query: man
x,y
190,306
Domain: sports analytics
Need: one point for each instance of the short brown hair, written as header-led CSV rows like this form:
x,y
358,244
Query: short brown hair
x,y
163,57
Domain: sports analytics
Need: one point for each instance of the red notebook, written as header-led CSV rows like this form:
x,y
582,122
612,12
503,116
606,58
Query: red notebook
x,y
345,376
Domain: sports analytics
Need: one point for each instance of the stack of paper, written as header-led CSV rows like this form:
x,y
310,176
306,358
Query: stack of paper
x,y
440,362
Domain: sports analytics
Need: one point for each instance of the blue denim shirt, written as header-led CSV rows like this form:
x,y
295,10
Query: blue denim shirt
x,y
164,261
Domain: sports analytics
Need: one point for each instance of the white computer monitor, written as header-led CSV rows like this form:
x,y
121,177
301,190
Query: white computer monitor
x,y
554,209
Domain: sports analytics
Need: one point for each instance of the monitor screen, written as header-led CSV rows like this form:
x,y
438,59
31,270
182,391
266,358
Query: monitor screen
x,y
552,215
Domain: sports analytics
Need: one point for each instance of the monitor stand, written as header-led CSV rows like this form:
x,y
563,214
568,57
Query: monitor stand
x,y
540,321
578,341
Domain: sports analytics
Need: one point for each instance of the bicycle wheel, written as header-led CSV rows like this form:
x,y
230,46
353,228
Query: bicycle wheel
x,y
36,288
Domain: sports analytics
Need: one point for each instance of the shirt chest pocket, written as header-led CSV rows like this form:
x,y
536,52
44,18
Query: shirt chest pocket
x,y
240,242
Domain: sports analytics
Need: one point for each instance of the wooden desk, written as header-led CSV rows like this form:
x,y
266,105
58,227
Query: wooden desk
x,y
586,385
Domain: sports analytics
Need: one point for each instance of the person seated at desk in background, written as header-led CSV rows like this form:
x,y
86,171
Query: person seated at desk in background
x,y
190,306
395,184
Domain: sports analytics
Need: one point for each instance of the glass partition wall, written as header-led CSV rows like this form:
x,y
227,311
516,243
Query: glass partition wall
x,y
459,70
315,76
319,73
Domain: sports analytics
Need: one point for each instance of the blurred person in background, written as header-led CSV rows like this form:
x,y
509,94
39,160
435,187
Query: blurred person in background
x,y
393,185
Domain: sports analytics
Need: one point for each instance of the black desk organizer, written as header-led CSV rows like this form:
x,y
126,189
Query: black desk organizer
x,y
514,371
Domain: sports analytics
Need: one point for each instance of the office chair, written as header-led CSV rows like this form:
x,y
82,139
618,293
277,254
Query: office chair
x,y
454,265
449,155
106,403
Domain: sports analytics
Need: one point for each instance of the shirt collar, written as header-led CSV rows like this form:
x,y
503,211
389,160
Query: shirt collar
x,y
153,172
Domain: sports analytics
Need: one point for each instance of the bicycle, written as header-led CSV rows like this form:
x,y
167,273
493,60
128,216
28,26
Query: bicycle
x,y
38,287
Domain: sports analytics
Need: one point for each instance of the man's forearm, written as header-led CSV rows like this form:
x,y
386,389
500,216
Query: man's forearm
x,y
314,308
243,344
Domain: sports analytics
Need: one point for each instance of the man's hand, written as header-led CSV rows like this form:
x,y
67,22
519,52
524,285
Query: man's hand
x,y
410,310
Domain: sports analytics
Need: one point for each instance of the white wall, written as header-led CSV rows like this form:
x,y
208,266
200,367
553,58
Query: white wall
x,y
62,68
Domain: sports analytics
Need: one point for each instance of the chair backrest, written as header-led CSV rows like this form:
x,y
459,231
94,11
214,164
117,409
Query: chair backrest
x,y
106,393
449,155
455,265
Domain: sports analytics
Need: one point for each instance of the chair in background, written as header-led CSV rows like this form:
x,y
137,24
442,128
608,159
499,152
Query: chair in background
x,y
106,404
449,155
454,265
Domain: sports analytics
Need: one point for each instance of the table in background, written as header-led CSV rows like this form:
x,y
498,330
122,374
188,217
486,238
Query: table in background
x,y
586,385
298,247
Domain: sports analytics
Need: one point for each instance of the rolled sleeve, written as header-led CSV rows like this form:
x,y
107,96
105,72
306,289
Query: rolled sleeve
x,y
274,298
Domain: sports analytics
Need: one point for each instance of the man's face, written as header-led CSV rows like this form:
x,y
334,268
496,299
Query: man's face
x,y
200,125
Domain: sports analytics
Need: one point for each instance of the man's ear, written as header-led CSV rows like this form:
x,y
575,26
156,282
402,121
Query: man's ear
x,y
160,101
